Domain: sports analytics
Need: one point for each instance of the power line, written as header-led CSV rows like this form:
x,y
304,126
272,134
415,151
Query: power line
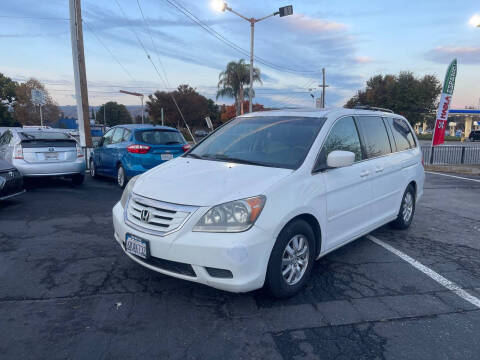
x,y
231,44
108,50
158,73
34,17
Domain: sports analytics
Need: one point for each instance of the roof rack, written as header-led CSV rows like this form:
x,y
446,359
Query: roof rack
x,y
373,108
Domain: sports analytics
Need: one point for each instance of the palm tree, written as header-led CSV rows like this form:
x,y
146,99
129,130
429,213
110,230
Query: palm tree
x,y
232,81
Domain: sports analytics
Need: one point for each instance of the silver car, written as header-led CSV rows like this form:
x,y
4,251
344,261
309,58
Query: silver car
x,y
40,152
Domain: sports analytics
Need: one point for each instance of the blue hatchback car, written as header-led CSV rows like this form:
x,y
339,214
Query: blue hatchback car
x,y
128,150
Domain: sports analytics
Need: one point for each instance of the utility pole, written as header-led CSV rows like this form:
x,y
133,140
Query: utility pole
x,y
323,87
161,113
80,74
104,114
134,94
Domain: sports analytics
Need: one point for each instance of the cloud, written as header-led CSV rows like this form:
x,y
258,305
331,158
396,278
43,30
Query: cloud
x,y
313,25
363,59
445,54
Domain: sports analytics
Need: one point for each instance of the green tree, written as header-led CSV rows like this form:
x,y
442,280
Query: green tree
x,y
415,98
232,81
194,106
7,99
115,114
26,113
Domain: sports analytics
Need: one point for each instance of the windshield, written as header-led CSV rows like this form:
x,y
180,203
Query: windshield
x,y
276,141
159,137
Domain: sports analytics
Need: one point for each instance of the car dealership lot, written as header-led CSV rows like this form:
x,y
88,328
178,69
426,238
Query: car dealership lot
x,y
68,291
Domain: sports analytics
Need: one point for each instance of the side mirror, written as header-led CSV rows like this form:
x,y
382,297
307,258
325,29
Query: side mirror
x,y
100,142
339,158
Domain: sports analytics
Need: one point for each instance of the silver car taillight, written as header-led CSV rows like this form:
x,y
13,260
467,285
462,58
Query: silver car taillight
x,y
18,151
79,151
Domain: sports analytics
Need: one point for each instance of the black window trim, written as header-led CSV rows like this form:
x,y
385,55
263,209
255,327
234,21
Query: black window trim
x,y
366,157
362,142
316,170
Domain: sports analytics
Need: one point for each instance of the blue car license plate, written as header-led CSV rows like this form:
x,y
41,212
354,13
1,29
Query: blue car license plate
x,y
136,246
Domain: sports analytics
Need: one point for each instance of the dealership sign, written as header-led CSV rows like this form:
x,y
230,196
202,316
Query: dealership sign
x,y
444,106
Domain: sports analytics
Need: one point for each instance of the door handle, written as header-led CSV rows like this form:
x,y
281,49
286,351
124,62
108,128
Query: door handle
x,y
365,173
379,170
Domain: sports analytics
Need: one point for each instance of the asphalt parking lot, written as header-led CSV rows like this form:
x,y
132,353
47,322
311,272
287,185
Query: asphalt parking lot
x,y
68,292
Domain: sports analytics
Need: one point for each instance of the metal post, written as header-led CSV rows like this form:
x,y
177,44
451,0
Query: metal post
x,y
104,114
431,155
324,86
142,110
252,31
41,116
462,161
161,114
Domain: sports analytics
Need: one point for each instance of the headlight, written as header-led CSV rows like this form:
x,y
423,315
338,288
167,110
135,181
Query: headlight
x,y
128,191
234,216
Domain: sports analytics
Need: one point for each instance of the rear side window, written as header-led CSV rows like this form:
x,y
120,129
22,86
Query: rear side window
x,y
402,134
107,138
343,136
159,137
126,135
375,134
117,136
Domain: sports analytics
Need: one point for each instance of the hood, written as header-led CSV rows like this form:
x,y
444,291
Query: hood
x,y
189,181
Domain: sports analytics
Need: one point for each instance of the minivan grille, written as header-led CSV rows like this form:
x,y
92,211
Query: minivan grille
x,y
156,217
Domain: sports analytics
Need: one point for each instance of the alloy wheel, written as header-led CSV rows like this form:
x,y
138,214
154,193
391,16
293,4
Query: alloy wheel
x,y
407,207
120,176
295,259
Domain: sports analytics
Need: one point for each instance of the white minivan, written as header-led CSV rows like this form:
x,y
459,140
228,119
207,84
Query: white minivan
x,y
256,202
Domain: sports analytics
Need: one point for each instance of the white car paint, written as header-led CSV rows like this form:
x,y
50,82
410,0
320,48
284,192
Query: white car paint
x,y
347,202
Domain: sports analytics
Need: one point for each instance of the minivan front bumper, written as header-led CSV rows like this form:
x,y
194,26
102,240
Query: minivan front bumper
x,y
235,262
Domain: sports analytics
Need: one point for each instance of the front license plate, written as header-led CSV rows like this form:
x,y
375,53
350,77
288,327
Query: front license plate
x,y
136,246
166,156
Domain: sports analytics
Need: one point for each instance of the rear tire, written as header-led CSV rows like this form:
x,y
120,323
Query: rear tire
x,y
121,176
291,260
407,210
78,179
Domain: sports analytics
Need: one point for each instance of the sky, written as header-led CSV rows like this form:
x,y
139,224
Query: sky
x,y
352,40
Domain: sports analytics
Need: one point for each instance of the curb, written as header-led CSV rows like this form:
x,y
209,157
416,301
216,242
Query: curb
x,y
456,169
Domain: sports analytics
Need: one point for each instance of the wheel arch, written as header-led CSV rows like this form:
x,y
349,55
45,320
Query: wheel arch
x,y
315,225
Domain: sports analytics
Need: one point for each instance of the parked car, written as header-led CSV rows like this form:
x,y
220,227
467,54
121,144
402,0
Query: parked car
x,y
43,152
268,193
129,150
11,181
474,135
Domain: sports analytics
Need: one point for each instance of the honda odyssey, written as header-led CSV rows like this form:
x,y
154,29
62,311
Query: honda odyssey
x,y
257,201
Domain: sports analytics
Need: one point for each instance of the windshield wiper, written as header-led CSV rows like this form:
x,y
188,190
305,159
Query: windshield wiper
x,y
172,142
233,159
195,156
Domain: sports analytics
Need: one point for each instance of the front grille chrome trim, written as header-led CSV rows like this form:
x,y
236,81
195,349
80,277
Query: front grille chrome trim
x,y
175,214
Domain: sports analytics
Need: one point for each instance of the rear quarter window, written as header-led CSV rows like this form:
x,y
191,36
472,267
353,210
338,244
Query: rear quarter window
x,y
402,134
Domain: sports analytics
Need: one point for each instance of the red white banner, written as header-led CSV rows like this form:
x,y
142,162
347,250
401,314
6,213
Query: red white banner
x,y
444,106
442,117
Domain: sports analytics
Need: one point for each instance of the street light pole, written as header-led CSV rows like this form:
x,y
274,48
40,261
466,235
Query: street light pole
x,y
134,94
283,11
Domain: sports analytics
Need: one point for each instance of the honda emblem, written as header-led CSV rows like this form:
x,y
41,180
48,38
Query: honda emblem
x,y
145,215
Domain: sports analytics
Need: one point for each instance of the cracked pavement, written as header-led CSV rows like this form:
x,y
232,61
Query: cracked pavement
x,y
67,291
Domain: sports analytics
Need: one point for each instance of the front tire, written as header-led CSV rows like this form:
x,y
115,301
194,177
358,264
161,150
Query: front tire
x,y
121,177
407,210
291,260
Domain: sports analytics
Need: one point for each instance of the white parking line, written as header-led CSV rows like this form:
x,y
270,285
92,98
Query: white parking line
x,y
453,176
450,285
